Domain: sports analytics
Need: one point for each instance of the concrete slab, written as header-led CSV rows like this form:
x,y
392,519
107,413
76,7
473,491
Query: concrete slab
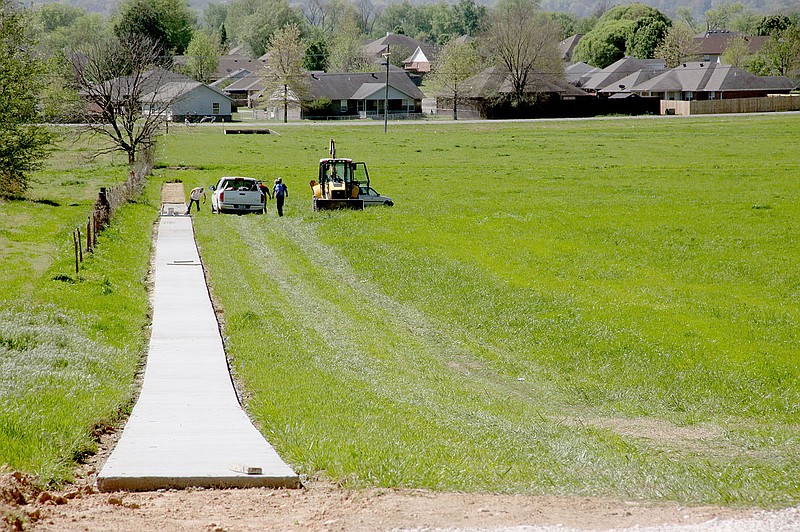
x,y
187,428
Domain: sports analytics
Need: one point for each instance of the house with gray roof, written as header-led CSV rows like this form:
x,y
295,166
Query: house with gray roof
x,y
190,101
628,69
711,81
360,95
418,55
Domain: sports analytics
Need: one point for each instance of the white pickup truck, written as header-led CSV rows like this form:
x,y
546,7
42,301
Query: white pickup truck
x,y
239,195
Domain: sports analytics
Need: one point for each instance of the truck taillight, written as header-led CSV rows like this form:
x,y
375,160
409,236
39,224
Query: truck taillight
x,y
263,198
222,196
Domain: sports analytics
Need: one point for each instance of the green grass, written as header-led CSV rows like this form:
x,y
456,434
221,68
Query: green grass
x,y
565,307
585,307
70,344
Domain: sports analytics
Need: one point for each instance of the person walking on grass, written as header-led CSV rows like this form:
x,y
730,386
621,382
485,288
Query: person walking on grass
x,y
280,192
194,197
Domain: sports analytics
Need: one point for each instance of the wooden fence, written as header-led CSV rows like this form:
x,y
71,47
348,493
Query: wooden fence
x,y
108,200
779,102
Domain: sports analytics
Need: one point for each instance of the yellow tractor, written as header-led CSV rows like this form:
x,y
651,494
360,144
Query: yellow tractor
x,y
339,183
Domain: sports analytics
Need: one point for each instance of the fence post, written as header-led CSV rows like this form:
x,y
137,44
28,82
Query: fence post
x,y
89,233
75,243
80,248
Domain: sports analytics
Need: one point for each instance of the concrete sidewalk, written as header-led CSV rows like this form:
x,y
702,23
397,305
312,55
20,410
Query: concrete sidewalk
x,y
187,428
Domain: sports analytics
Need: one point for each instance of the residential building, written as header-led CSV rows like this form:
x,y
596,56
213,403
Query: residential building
x,y
361,95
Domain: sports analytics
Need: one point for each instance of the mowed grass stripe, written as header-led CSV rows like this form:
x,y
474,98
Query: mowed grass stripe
x,y
566,307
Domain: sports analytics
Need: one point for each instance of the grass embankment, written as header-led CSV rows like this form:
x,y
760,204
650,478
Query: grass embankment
x,y
69,344
605,307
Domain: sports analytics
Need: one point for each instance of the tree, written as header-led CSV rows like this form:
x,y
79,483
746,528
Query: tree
x,y
772,24
780,55
678,46
168,23
634,29
251,23
316,55
720,17
23,146
737,50
119,77
524,40
367,14
346,51
202,56
458,61
645,35
284,70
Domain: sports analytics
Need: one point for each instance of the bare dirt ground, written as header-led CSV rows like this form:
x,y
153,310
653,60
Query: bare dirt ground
x,y
320,506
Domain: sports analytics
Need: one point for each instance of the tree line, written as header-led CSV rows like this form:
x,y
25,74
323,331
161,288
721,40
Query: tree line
x,y
49,67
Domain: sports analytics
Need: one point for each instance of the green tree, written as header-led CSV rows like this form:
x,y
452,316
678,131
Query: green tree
x,y
316,56
202,56
645,35
284,71
634,29
168,23
737,51
722,15
524,40
346,50
251,23
470,17
457,62
59,27
23,146
772,24
780,55
678,45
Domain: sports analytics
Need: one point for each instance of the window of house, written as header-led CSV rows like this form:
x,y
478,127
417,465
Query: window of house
x,y
343,106
215,108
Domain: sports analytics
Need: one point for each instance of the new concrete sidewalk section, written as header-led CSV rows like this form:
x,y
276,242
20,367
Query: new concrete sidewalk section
x,y
187,428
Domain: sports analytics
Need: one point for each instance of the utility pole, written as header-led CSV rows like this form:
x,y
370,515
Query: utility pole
x,y
386,93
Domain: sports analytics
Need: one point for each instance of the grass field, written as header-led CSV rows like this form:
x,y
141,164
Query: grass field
x,y
580,307
588,307
70,344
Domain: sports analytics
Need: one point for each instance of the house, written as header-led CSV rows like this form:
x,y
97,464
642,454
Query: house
x,y
567,47
418,55
711,81
360,95
579,73
480,93
191,101
232,62
621,72
712,44
245,87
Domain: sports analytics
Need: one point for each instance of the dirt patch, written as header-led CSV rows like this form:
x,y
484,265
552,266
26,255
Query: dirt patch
x,y
173,193
319,506
322,506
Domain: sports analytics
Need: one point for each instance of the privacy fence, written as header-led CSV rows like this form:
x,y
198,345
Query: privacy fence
x,y
769,104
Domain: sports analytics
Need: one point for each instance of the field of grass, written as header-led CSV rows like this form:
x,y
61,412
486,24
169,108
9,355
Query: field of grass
x,y
70,344
579,307
584,307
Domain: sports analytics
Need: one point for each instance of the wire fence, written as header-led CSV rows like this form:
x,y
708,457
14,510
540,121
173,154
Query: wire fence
x,y
109,199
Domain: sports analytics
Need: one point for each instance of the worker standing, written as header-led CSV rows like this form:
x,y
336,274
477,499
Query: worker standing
x,y
194,197
280,192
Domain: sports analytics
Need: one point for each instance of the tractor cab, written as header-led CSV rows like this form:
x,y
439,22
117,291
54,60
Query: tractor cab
x,y
339,183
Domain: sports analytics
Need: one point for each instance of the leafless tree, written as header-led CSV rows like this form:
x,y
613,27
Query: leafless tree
x,y
367,14
128,96
525,41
